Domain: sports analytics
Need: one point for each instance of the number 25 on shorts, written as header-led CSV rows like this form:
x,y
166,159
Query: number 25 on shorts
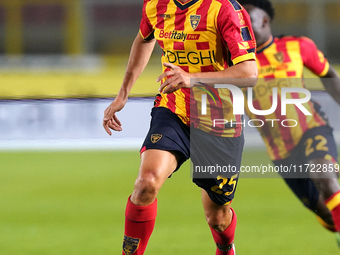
x,y
225,181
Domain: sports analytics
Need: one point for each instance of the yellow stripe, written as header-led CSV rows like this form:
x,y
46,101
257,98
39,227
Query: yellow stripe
x,y
325,71
296,63
248,56
164,101
334,202
325,225
150,8
180,104
328,157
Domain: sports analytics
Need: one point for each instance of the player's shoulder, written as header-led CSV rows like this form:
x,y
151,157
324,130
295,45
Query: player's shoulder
x,y
230,4
153,1
289,38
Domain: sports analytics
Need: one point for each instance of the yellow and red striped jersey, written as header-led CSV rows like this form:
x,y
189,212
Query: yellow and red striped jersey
x,y
280,62
199,36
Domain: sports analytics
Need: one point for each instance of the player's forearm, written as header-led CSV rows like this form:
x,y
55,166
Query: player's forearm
x,y
331,82
243,74
140,53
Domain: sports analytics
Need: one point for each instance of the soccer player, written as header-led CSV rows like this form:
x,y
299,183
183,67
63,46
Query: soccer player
x,y
311,141
198,39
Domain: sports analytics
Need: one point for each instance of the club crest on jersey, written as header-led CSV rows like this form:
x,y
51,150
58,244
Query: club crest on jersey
x,y
155,138
130,245
194,21
279,57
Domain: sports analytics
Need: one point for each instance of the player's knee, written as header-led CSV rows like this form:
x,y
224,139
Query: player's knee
x,y
219,222
218,225
326,186
146,187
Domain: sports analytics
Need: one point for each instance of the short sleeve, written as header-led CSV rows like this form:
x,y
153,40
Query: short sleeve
x,y
234,26
312,58
145,29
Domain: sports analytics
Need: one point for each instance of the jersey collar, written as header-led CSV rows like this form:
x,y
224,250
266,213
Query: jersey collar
x,y
185,5
265,45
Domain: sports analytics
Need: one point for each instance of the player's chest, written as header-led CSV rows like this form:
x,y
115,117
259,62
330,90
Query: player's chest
x,y
280,61
187,27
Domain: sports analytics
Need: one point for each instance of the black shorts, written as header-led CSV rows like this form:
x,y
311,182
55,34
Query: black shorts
x,y
221,155
315,143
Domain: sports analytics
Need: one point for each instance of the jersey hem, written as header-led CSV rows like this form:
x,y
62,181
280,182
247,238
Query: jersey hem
x,y
325,70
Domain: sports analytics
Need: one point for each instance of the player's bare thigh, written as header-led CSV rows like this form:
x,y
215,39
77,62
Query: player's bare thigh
x,y
156,166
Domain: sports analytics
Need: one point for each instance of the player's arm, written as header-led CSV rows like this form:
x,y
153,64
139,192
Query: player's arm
x,y
315,61
243,74
331,82
140,53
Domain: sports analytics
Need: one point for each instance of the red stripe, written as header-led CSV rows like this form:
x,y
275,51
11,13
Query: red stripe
x,y
171,104
334,161
269,77
186,92
265,129
161,8
239,127
180,18
282,47
185,68
161,43
194,120
142,150
179,46
285,131
216,112
302,117
316,115
207,68
203,11
262,59
202,46
291,73
158,100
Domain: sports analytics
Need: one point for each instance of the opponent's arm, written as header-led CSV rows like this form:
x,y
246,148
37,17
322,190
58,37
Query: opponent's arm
x,y
331,82
243,74
140,53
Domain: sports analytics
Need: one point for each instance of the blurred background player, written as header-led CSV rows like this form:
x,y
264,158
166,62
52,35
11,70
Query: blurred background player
x,y
195,37
311,141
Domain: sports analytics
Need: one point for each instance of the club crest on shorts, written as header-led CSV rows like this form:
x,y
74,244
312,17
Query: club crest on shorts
x,y
130,245
194,21
155,138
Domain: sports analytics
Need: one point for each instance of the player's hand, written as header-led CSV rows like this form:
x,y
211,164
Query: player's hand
x,y
176,79
110,120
